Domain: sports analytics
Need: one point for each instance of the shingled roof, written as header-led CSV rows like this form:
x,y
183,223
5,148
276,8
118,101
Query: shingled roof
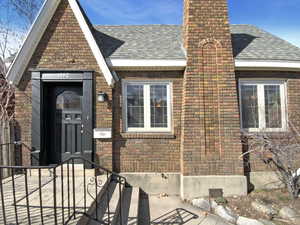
x,y
165,42
141,42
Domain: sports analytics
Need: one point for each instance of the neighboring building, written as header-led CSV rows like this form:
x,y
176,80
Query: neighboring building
x,y
161,104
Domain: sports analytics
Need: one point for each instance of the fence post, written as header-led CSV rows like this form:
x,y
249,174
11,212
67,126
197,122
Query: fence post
x,y
5,154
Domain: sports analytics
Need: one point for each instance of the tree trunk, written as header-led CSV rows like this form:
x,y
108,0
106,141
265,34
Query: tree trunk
x,y
7,150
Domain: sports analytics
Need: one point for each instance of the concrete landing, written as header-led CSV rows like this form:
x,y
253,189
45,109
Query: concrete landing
x,y
63,189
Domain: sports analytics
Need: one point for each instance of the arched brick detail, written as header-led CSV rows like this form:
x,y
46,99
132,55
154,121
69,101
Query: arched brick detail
x,y
212,41
210,49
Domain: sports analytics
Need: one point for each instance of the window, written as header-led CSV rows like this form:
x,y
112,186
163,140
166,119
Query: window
x,y
147,106
263,105
69,100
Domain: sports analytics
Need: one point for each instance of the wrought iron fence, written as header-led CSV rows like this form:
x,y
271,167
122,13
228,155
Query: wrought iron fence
x,y
59,194
15,154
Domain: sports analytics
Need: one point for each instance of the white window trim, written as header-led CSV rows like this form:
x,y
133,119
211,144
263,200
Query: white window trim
x,y
147,106
261,101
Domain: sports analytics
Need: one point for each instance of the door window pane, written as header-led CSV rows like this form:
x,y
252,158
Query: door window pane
x,y
135,105
249,106
68,100
159,106
273,106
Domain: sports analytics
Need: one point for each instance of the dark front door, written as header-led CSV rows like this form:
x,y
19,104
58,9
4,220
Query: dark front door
x,y
66,120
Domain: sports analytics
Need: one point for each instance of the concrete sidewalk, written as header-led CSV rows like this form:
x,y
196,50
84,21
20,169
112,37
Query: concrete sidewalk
x,y
171,210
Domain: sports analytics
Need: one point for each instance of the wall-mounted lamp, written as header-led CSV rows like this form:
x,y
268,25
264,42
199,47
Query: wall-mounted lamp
x,y
102,97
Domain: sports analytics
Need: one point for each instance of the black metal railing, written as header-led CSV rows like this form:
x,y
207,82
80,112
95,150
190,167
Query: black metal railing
x,y
59,194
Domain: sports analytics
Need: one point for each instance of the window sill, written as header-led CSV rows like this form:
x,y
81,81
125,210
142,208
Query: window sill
x,y
279,130
134,135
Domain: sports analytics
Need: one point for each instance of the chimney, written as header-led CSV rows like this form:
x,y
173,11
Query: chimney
x,y
211,142
206,19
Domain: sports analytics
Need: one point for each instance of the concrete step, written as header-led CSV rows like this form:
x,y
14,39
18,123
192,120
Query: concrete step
x,y
134,203
106,205
113,204
122,210
104,197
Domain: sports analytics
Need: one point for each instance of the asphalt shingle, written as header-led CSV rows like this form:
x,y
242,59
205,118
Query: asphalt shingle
x,y
165,42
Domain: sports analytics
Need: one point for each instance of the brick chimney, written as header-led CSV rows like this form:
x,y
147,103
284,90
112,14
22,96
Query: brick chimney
x,y
210,122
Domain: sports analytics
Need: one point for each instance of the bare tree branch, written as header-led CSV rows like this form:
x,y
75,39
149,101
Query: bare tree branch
x,y
27,9
279,152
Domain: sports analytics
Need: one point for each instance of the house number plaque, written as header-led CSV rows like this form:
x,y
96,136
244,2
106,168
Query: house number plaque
x,y
102,133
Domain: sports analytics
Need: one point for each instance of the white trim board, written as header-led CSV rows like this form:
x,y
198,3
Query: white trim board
x,y
151,64
92,42
36,32
260,92
267,65
147,106
31,41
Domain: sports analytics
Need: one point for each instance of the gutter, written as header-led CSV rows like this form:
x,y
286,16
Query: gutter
x,y
147,64
180,64
278,65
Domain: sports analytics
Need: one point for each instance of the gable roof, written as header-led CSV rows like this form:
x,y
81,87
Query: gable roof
x,y
165,42
37,30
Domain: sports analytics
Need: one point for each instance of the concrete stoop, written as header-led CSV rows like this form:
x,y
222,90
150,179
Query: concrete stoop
x,y
65,170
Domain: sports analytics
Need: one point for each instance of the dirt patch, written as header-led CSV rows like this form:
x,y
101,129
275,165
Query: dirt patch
x,y
277,198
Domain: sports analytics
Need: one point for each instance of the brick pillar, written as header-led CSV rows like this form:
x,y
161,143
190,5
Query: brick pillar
x,y
210,143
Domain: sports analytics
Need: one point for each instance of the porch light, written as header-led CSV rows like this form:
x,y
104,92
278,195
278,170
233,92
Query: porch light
x,y
102,97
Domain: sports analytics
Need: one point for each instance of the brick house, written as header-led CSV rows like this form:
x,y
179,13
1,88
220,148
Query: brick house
x,y
161,104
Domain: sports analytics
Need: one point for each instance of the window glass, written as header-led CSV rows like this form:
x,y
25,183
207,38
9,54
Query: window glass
x,y
159,106
135,106
147,106
249,106
263,105
272,106
68,100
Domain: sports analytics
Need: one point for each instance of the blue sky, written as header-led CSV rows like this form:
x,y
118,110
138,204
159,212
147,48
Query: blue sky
x,y
280,17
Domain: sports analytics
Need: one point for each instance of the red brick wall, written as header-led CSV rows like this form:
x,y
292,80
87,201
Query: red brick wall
x,y
210,128
148,152
63,46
